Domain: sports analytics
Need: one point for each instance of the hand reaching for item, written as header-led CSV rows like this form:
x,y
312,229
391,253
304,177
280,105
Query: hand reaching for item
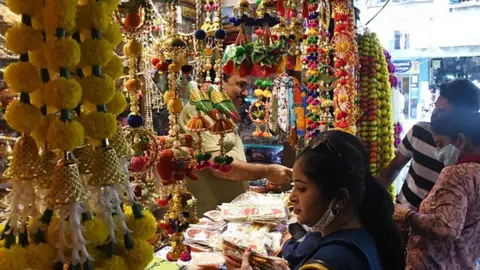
x,y
400,212
279,174
244,264
235,264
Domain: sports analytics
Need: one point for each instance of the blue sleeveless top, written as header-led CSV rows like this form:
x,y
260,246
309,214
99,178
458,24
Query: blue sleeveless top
x,y
352,249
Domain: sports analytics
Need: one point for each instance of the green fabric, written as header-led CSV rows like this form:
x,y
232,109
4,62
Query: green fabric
x,y
209,190
159,264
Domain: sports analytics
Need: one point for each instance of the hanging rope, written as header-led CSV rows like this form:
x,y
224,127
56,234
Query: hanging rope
x,y
378,12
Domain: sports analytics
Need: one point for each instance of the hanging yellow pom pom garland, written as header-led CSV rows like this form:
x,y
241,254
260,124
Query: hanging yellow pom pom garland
x,y
100,125
22,78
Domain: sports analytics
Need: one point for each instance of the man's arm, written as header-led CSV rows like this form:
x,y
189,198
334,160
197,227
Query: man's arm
x,y
402,157
390,173
243,171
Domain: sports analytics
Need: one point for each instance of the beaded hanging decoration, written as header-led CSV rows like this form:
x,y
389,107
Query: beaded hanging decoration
x,y
346,111
236,57
176,161
259,111
281,87
326,71
210,99
311,62
293,32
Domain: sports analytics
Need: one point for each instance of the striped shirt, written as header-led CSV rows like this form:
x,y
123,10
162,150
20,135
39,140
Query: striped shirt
x,y
425,168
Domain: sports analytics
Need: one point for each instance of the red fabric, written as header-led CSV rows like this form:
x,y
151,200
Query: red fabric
x,y
469,159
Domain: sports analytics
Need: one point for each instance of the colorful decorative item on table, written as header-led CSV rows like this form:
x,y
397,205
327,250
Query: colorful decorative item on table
x,y
376,124
346,112
259,111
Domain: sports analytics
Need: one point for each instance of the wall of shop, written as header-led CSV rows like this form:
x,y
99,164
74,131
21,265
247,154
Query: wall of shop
x,y
413,76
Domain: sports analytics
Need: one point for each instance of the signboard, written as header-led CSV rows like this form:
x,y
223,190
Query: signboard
x,y
406,66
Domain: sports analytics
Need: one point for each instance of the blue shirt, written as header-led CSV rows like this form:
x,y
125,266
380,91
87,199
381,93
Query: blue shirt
x,y
352,249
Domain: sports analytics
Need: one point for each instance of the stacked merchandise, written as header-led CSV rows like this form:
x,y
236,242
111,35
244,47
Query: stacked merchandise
x,y
251,220
200,235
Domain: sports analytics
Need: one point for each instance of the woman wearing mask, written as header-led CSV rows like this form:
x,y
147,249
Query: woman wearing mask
x,y
445,233
349,213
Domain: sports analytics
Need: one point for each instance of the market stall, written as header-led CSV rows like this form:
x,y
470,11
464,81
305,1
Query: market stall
x,y
92,190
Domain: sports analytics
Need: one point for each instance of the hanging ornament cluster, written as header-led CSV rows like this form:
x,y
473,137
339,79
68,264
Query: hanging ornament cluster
x,y
236,55
346,112
263,57
176,162
209,35
289,117
311,61
290,29
198,124
259,110
376,124
210,100
397,126
136,17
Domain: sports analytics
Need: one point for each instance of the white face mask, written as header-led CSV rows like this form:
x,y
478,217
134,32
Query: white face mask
x,y
448,154
326,218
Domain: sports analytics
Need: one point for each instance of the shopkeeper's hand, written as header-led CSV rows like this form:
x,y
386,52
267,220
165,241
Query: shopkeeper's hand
x,y
279,174
400,212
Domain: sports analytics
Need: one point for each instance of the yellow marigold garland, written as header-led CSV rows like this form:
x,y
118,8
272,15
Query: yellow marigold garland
x,y
21,39
114,68
113,34
22,77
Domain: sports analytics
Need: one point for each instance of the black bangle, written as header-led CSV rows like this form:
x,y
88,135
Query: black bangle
x,y
408,215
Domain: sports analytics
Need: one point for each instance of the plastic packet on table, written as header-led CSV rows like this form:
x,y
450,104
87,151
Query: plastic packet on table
x,y
207,261
258,198
215,215
200,235
253,211
208,224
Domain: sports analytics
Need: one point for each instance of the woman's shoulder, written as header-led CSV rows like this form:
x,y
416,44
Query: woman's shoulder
x,y
349,249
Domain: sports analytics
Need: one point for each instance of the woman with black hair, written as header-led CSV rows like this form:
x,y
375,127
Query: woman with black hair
x,y
349,213
445,232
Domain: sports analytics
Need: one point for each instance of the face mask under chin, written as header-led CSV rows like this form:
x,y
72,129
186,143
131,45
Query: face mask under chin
x,y
448,155
325,219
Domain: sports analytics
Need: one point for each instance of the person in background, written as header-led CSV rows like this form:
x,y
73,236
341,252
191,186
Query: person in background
x,y
419,147
348,211
214,187
445,232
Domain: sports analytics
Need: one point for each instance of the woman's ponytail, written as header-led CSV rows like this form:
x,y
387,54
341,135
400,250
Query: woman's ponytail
x,y
375,213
